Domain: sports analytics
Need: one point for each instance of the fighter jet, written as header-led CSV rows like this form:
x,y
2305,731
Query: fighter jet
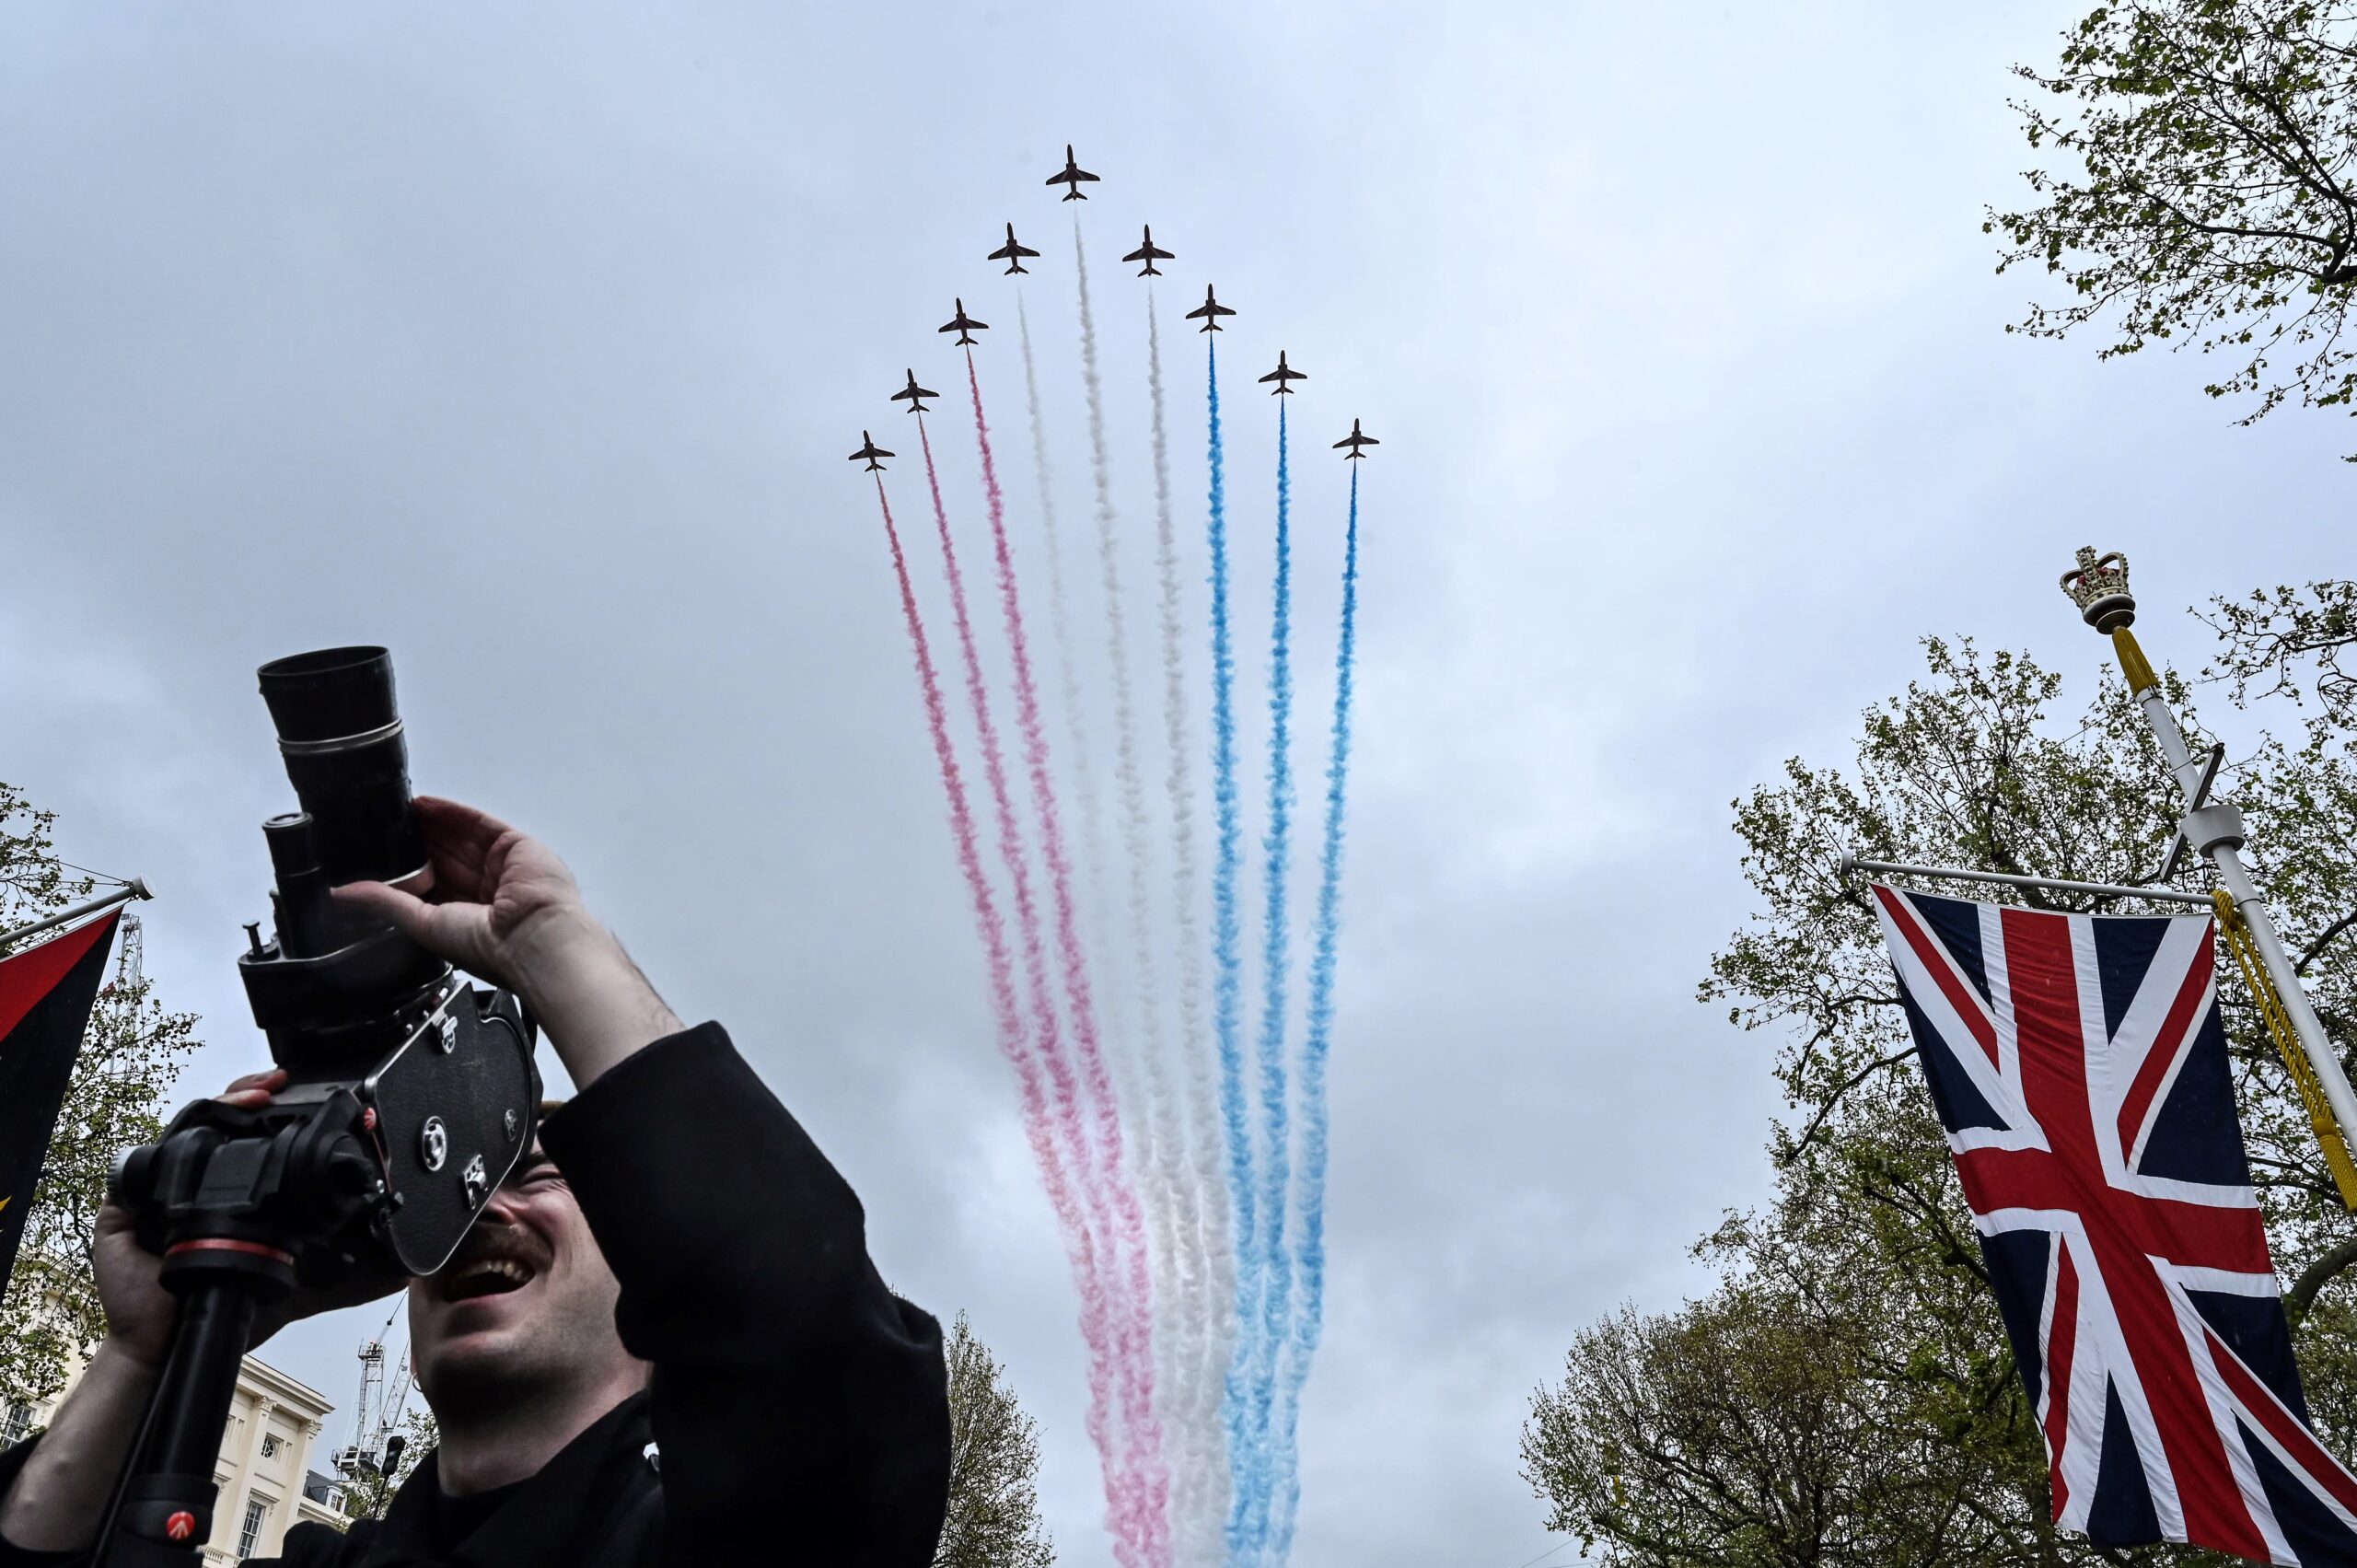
x,y
1070,175
1354,440
965,326
1282,373
1012,253
1148,253
914,395
871,451
1210,312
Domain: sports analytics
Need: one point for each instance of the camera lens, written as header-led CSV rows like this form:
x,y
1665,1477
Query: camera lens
x,y
340,734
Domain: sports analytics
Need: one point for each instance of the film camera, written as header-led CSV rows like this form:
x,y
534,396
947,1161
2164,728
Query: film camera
x,y
409,1097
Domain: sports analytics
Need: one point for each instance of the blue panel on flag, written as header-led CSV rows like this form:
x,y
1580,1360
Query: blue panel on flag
x,y
2254,1329
2314,1533
2018,1261
2195,1135
2122,1513
1956,923
1959,1104
2125,946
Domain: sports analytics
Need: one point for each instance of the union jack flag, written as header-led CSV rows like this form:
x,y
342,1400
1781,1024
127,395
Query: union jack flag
x,y
2079,1067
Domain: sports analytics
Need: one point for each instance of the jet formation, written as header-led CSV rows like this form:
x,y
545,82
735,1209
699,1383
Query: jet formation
x,y
1070,175
1354,440
965,326
1015,252
1280,374
1149,253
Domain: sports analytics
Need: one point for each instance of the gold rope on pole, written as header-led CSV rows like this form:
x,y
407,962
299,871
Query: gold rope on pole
x,y
2287,1042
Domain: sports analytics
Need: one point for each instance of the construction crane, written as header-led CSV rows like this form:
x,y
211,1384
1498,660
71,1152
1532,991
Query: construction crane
x,y
377,1412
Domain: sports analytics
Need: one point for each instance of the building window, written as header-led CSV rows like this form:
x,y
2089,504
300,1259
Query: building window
x,y
20,1419
270,1445
252,1532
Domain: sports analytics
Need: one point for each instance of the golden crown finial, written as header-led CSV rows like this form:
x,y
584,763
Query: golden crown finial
x,y
2098,585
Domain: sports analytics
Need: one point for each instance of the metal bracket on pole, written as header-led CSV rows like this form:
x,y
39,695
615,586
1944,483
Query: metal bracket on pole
x,y
1850,861
134,888
2178,844
2099,585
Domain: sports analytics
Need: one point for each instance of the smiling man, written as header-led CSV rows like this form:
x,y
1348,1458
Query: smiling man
x,y
662,1342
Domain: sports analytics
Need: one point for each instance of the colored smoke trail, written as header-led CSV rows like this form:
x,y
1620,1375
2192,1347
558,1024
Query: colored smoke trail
x,y
1128,1496
1308,1320
1081,753
1212,1293
1276,966
1007,1016
1227,964
1158,1131
1134,1329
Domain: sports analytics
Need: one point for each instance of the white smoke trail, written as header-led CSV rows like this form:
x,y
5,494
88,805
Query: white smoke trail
x,y
1210,1329
1084,774
1171,1197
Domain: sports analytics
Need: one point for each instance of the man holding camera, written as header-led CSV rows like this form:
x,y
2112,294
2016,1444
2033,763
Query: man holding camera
x,y
663,1340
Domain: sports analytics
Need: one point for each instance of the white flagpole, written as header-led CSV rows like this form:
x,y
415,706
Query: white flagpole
x,y
134,888
2100,585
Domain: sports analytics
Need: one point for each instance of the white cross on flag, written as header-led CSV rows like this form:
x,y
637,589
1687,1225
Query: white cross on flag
x,y
2079,1067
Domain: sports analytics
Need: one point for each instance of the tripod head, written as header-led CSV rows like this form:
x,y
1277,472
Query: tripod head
x,y
410,1097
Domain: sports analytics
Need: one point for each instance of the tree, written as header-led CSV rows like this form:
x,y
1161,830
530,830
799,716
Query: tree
x,y
131,1052
1867,1249
994,1518
2214,201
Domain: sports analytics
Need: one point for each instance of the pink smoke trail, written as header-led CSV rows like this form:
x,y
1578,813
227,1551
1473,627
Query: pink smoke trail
x,y
1137,1367
1006,1014
1124,1496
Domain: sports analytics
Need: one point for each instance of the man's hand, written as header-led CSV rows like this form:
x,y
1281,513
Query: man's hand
x,y
505,909
139,1310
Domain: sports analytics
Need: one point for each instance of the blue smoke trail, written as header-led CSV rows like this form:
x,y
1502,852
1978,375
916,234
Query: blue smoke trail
x,y
1325,933
1276,971
1228,988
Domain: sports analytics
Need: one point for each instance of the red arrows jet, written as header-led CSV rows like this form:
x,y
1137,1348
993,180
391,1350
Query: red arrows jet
x,y
1148,253
965,326
914,395
1012,253
1354,441
1070,175
1208,312
1282,373
871,451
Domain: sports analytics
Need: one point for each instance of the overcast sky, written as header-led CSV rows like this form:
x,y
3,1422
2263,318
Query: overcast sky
x,y
529,340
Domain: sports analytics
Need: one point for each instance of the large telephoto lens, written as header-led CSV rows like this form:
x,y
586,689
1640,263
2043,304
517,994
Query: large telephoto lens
x,y
340,737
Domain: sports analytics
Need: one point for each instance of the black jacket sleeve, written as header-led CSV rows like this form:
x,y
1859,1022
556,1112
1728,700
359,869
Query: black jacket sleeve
x,y
801,1408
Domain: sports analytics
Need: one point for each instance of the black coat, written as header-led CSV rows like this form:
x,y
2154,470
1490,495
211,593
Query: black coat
x,y
798,1410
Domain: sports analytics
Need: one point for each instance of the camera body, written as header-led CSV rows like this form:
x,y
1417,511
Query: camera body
x,y
410,1095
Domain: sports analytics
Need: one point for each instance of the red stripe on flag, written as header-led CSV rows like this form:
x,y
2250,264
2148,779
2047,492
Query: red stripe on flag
x,y
2061,1339
2309,1456
1934,957
26,977
2167,1046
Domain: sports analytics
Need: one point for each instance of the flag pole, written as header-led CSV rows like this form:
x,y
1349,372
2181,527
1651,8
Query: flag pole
x,y
2099,585
134,888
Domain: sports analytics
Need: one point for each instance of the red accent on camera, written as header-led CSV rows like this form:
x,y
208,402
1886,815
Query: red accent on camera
x,y
224,1244
181,1525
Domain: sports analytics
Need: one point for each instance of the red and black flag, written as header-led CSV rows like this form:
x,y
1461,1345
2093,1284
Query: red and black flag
x,y
46,993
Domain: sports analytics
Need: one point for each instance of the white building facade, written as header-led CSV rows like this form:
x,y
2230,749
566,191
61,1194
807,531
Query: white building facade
x,y
266,1481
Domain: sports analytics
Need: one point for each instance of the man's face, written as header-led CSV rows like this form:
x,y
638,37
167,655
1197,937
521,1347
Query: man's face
x,y
527,1302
